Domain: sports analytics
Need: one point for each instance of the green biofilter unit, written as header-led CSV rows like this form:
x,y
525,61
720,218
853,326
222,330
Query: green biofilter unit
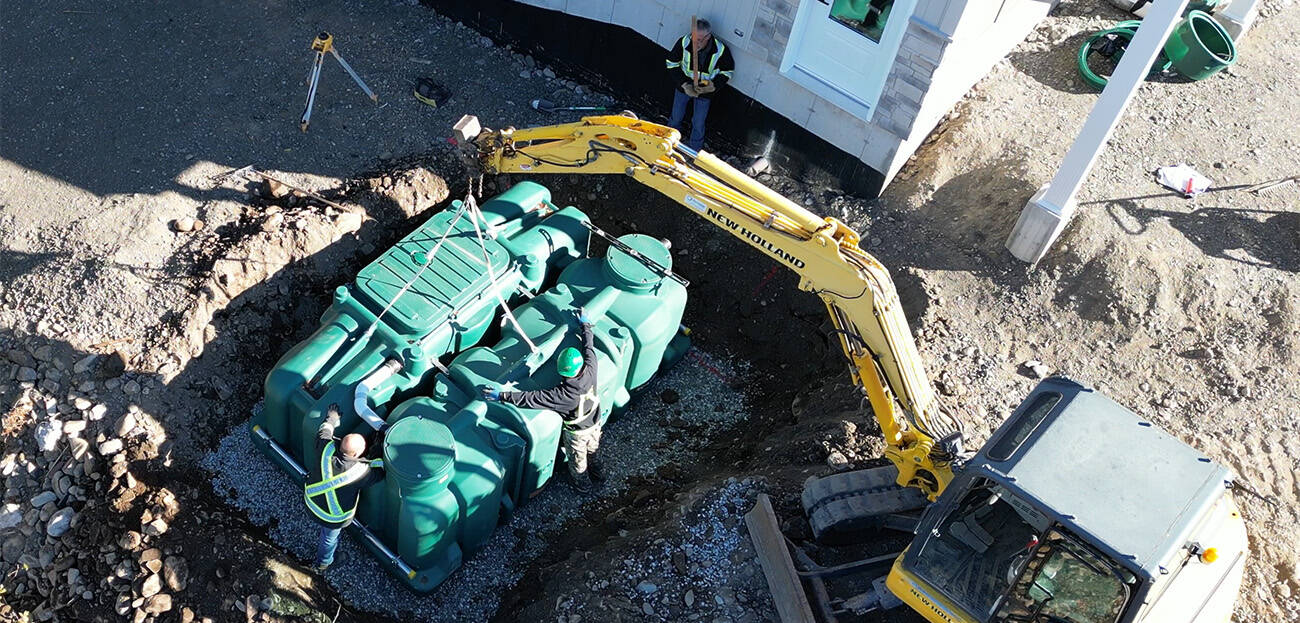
x,y
378,342
456,466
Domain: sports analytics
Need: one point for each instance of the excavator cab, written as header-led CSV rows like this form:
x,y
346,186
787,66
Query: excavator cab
x,y
1077,511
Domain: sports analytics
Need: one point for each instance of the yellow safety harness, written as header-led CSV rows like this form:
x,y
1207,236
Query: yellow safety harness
x,y
330,483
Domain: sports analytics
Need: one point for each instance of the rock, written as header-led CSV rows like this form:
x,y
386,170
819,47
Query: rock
x,y
646,588
43,498
176,572
12,548
151,586
123,604
187,615
80,403
525,74
48,434
84,364
183,224
689,598
1038,368
11,516
21,358
130,540
153,566
79,447
60,522
126,424
549,73
157,527
110,447
837,460
648,609
74,427
669,397
112,366
97,412
131,387
158,604
152,553
44,353
26,375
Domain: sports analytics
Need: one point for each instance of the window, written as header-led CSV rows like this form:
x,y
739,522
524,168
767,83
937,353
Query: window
x,y
975,553
1067,582
865,16
1021,429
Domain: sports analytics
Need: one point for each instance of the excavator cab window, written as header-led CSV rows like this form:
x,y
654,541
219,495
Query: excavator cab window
x,y
1066,582
975,553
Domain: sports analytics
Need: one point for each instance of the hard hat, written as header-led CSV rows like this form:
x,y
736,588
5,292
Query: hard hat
x,y
570,362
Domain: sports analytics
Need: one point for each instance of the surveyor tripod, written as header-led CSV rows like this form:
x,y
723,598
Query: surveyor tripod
x,y
324,42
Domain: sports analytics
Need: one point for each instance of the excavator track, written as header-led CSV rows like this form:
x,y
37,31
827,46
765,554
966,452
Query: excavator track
x,y
857,500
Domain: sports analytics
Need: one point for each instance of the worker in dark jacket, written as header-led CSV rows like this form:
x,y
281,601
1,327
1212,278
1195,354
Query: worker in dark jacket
x,y
575,400
334,484
706,64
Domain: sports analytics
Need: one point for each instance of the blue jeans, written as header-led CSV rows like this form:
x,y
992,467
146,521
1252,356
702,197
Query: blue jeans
x,y
680,100
329,541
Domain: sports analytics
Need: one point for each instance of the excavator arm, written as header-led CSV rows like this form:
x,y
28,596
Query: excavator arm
x,y
858,293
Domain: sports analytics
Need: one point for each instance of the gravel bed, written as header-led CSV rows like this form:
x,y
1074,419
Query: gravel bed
x,y
636,444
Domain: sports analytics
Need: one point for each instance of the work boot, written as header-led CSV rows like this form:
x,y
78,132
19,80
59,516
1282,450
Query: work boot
x,y
596,469
581,482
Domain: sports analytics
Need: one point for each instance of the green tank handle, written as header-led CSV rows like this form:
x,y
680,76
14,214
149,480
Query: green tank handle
x,y
1123,30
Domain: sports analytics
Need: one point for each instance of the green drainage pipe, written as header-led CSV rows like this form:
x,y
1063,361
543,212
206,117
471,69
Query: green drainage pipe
x,y
1199,47
1111,43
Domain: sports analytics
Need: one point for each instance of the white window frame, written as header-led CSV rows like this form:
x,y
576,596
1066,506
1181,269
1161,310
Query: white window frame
x,y
860,105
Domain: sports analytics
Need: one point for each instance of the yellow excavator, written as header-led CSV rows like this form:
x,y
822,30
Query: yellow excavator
x,y
1074,511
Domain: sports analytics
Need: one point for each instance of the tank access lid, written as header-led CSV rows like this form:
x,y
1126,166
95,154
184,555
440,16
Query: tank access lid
x,y
418,449
633,273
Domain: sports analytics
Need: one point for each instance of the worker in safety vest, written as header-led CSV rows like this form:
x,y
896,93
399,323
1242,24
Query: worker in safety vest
x,y
334,484
575,400
706,63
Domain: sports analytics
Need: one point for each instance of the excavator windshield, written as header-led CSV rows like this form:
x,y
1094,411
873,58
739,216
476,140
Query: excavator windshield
x,y
975,553
1066,581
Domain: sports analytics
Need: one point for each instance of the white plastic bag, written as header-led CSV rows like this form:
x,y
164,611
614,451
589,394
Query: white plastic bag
x,y
1183,179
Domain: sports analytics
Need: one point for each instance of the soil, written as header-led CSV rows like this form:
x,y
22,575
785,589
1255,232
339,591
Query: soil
x,y
1183,310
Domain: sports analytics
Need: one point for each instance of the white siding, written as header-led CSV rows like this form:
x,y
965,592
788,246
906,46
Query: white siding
x,y
947,47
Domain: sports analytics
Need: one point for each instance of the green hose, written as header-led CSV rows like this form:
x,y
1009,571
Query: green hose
x,y
1113,47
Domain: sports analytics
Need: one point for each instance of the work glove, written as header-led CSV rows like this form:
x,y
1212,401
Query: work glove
x,y
583,318
689,89
491,394
705,88
332,415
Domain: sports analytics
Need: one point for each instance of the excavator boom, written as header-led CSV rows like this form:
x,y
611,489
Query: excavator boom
x,y
922,440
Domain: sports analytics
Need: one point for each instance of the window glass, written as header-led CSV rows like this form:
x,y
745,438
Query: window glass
x,y
976,552
1037,412
865,16
1066,581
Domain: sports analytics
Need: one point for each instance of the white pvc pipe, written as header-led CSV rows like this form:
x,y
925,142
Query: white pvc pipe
x,y
361,396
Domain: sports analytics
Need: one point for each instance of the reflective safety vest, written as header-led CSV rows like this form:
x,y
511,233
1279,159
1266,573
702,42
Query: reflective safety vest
x,y
322,497
588,405
709,71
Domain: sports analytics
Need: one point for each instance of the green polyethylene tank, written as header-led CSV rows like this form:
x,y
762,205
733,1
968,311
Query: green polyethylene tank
x,y
450,304
503,455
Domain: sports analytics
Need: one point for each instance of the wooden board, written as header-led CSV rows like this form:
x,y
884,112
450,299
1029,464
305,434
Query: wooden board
x,y
782,579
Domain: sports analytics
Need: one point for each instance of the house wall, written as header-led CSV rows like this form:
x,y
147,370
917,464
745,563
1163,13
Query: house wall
x,y
947,46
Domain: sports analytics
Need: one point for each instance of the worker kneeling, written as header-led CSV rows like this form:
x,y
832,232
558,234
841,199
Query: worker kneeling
x,y
335,482
575,400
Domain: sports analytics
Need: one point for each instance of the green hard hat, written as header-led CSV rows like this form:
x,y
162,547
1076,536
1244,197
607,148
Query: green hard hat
x,y
569,362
